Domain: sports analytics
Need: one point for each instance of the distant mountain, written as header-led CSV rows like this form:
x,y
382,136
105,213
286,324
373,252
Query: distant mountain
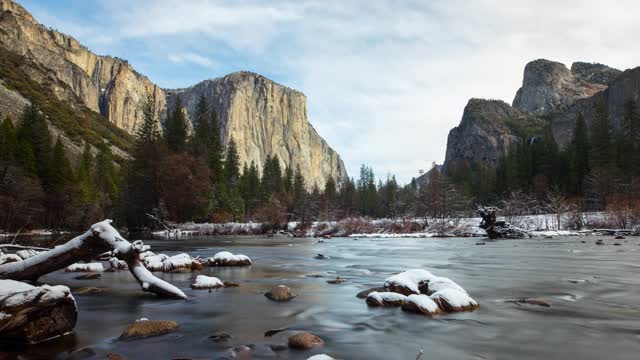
x,y
551,95
102,94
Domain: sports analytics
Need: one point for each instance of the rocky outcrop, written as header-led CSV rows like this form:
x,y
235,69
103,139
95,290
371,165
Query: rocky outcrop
x,y
265,118
488,130
594,73
109,86
549,86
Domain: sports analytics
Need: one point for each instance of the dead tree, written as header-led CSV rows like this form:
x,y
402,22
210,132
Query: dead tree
x,y
102,237
498,229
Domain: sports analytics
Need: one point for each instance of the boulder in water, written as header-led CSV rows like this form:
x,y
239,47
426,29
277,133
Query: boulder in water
x,y
146,328
280,293
305,341
32,314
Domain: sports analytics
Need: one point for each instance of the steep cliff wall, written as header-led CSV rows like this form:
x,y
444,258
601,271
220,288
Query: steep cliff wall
x,y
266,118
103,84
487,130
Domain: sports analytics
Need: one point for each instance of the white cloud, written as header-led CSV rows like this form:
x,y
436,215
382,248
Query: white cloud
x,y
190,58
385,80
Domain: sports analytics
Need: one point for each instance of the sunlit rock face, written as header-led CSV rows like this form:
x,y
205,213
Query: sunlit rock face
x,y
103,84
265,118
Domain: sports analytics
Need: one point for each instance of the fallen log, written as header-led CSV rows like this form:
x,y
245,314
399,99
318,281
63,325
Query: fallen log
x,y
102,237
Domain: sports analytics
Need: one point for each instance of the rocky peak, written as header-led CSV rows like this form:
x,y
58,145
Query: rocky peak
x,y
594,73
16,9
548,86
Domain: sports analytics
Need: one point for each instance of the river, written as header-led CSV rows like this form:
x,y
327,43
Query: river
x,y
594,291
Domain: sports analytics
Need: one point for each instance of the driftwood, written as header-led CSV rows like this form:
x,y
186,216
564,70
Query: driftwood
x,y
498,229
102,237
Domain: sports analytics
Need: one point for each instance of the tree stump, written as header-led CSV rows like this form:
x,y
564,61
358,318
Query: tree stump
x,y
498,229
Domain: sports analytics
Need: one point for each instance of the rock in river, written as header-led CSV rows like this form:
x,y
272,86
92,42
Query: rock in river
x,y
30,314
280,293
147,328
304,341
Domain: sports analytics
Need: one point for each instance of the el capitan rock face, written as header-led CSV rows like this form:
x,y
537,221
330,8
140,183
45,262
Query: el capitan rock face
x,y
107,85
265,118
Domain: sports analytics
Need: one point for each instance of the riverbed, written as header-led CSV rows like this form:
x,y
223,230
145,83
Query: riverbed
x,y
594,291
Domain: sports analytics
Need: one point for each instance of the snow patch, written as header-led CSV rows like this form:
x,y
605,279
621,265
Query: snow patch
x,y
89,267
321,357
206,282
424,303
456,299
409,281
225,258
16,293
385,298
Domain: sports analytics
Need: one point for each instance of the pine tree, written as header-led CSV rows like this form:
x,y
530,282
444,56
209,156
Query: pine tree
x,y
85,176
202,130
232,164
176,129
629,140
287,179
578,156
61,169
8,141
142,193
215,153
35,143
148,132
601,145
299,195
106,174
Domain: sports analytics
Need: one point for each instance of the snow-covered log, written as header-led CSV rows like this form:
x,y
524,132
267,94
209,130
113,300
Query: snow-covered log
x,y
102,237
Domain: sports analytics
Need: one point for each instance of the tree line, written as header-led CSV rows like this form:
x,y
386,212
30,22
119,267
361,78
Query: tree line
x,y
183,174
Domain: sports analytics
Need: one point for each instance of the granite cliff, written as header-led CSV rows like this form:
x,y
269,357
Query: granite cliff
x,y
265,118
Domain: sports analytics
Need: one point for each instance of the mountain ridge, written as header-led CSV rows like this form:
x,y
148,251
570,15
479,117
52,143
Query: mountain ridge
x,y
111,87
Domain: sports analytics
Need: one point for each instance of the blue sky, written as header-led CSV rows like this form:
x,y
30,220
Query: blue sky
x,y
385,80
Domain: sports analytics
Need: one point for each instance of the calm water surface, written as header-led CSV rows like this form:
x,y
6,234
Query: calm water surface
x,y
597,317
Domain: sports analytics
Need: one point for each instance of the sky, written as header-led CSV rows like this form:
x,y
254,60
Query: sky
x,y
385,80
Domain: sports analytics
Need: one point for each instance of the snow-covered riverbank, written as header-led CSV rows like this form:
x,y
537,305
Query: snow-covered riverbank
x,y
535,225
